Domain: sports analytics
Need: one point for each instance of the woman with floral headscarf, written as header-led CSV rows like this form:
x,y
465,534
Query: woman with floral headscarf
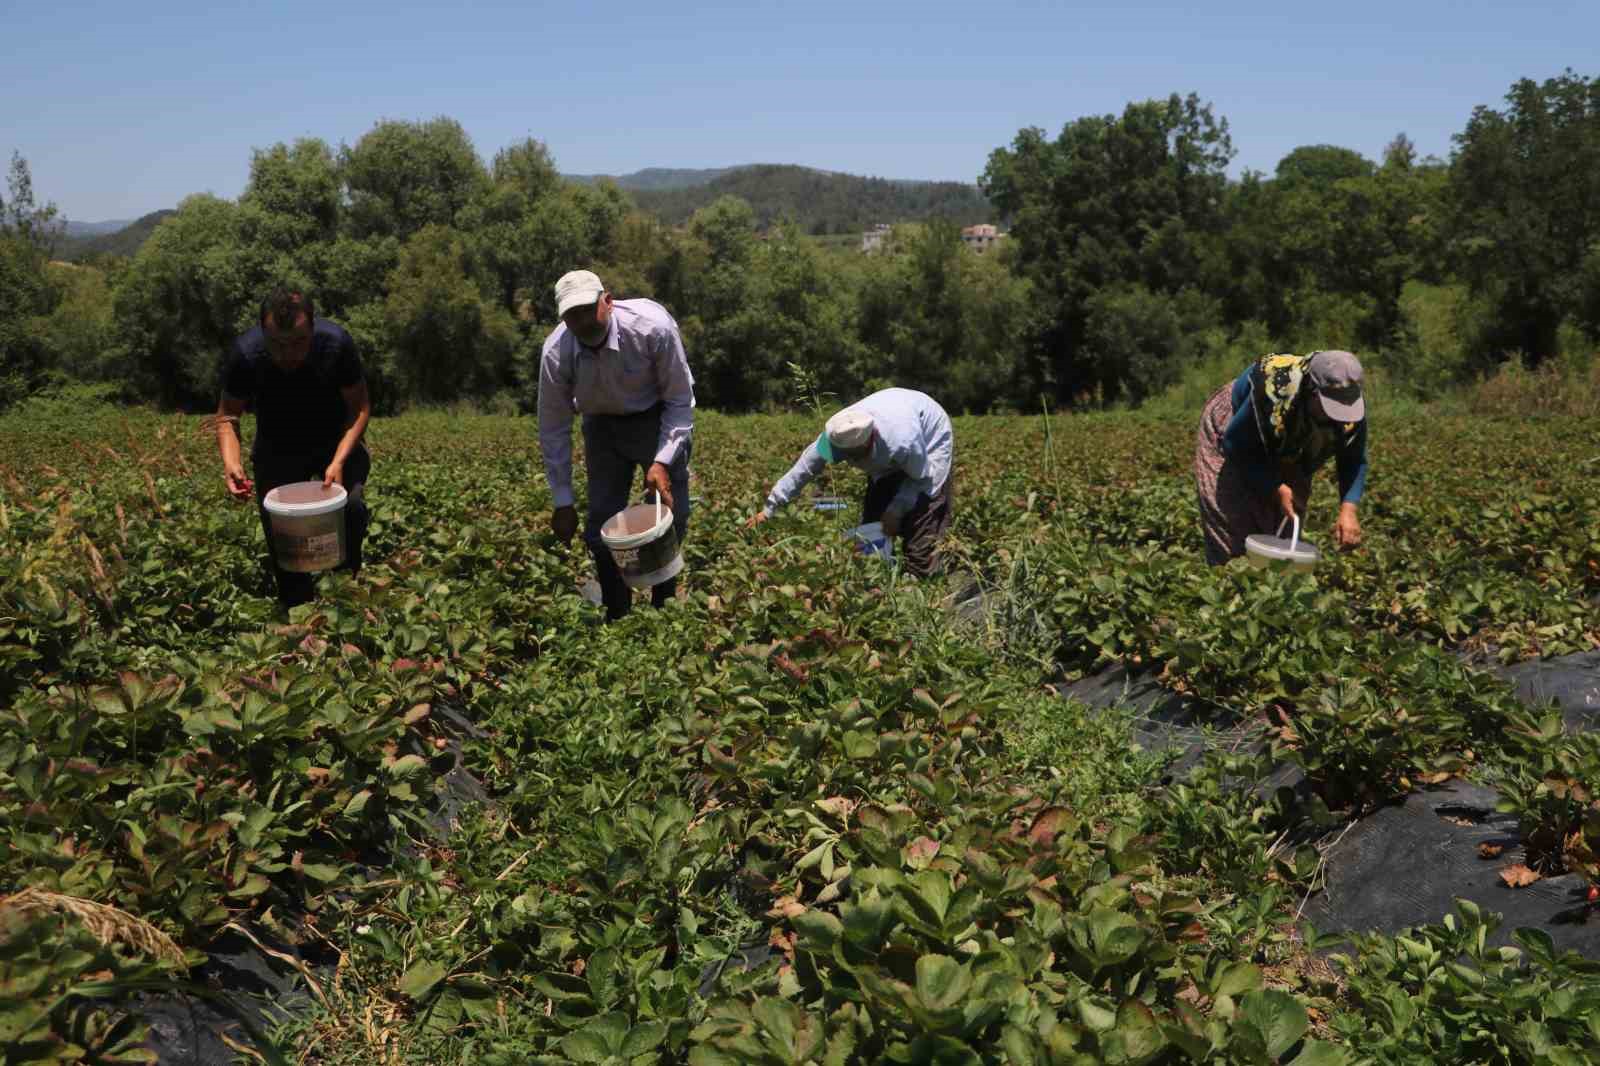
x,y
1262,437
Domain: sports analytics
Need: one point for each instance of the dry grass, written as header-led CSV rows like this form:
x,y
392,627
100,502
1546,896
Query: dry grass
x,y
105,923
1549,390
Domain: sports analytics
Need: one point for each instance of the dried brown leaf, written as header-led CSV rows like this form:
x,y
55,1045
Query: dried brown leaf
x,y
1519,876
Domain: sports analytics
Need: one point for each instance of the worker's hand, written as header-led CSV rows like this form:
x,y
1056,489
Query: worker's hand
x,y
660,479
756,519
239,486
891,524
1347,528
1286,499
565,523
333,475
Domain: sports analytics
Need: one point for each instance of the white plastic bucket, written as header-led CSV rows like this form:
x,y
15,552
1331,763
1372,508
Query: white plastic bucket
x,y
872,540
642,542
307,525
1262,550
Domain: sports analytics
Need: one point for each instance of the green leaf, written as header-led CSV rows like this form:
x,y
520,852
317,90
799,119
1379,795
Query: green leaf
x,y
1117,936
1136,1038
783,1021
1095,1016
859,746
601,973
418,981
942,982
561,986
1277,1017
407,765
599,1040
253,885
643,1037
1235,979
928,891
1319,1053
358,803
818,929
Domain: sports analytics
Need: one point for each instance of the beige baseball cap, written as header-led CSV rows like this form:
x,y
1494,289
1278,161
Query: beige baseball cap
x,y
577,288
846,431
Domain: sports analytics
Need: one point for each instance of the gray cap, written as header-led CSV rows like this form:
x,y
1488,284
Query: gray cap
x,y
1337,378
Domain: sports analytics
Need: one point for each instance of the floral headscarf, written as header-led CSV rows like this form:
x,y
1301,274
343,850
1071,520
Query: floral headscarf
x,y
1288,430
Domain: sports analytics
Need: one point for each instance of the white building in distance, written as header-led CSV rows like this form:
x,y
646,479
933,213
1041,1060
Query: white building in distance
x,y
982,237
873,239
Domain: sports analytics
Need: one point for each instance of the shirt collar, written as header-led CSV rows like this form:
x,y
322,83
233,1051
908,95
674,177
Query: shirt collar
x,y
611,343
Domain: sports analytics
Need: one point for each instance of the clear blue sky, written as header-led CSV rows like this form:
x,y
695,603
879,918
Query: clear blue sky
x,y
121,108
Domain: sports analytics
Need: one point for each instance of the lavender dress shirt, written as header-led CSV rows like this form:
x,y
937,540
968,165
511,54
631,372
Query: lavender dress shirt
x,y
641,364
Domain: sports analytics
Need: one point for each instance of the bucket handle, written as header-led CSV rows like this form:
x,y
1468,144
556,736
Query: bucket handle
x,y
1294,539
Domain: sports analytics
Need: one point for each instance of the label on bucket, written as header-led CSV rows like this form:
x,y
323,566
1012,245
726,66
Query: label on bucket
x,y
306,554
648,561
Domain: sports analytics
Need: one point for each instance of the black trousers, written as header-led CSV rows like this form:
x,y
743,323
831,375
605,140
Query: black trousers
x,y
274,470
923,526
615,447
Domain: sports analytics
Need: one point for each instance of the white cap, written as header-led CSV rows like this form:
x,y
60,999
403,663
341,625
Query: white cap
x,y
577,288
847,430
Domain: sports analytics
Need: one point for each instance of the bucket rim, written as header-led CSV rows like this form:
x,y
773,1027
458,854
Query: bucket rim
x,y
276,505
635,540
1262,546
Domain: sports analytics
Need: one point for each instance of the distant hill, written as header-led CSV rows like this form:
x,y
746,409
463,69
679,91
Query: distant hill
x,y
125,241
655,178
822,202
72,228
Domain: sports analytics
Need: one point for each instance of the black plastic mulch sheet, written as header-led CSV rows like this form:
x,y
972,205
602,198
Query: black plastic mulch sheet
x,y
1571,682
1165,721
1406,864
188,1030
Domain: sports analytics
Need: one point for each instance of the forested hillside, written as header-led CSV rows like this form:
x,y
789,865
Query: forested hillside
x,y
1134,262
820,202
124,242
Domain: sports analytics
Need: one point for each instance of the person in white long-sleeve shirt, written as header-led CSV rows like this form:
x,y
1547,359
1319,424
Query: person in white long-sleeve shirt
x,y
621,365
902,440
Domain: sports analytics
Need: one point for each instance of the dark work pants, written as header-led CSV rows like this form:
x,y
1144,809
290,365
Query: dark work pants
x,y
921,528
274,470
614,447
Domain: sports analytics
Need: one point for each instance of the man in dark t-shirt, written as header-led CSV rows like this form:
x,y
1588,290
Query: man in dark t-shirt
x,y
303,377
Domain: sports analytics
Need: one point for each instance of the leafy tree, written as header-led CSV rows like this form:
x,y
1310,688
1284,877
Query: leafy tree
x,y
1526,187
22,216
402,176
191,289
293,196
27,232
1144,337
819,202
1321,254
798,312
526,168
1135,199
938,318
444,338
1322,165
716,323
79,332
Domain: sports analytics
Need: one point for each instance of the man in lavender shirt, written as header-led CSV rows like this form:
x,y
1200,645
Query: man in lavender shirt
x,y
620,364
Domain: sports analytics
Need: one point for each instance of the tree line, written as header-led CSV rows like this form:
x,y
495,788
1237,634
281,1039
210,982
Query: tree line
x,y
1132,258
819,202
